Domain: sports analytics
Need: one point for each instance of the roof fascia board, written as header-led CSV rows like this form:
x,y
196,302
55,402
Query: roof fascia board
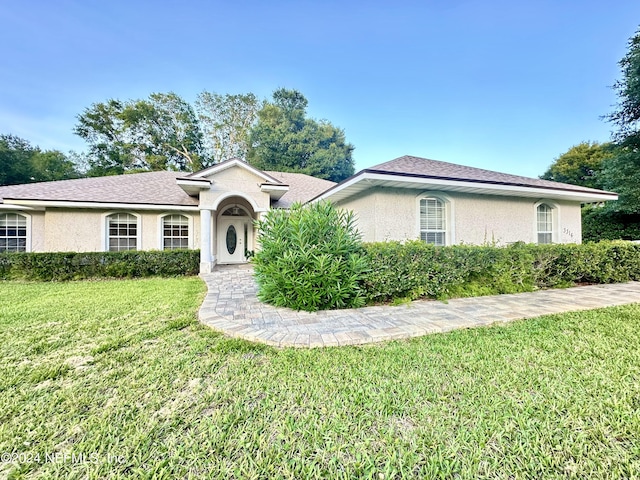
x,y
100,205
398,175
481,187
193,181
8,206
267,187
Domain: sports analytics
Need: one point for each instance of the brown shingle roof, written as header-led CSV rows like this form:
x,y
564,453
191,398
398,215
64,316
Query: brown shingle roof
x,y
426,168
301,187
153,188
149,188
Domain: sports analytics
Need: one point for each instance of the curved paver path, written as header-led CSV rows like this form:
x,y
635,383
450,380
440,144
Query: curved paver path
x,y
232,307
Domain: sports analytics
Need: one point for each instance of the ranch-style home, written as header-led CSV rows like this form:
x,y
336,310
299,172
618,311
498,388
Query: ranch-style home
x,y
214,209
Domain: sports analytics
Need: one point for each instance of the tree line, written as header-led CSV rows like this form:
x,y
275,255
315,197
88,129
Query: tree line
x,y
613,166
165,132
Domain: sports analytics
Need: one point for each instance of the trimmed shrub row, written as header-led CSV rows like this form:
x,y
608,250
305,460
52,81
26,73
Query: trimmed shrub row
x,y
77,266
415,269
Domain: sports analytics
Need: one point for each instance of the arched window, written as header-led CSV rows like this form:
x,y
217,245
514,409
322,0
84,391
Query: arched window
x,y
175,232
544,219
122,232
13,232
433,221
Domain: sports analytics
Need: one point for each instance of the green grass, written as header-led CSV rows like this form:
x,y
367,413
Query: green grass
x,y
121,372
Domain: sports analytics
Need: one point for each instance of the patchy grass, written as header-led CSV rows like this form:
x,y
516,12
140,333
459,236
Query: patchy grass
x,y
116,379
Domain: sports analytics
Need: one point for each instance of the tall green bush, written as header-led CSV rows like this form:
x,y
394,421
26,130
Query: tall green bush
x,y
310,258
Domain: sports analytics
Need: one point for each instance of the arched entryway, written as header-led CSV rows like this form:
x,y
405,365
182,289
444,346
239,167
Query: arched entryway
x,y
234,231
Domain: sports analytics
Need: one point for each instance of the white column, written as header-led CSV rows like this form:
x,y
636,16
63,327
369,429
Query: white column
x,y
206,261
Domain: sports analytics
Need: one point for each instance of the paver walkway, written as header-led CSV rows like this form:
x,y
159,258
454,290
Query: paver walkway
x,y
232,307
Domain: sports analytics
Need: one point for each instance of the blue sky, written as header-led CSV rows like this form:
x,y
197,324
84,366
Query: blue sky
x,y
503,85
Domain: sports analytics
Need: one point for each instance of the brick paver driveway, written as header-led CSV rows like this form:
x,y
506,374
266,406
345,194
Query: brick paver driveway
x,y
232,307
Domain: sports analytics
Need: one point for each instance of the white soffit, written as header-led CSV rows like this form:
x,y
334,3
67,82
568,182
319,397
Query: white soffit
x,y
192,187
275,191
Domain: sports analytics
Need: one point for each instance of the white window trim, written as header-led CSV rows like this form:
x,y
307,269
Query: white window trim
x,y
450,235
555,220
161,229
28,219
105,229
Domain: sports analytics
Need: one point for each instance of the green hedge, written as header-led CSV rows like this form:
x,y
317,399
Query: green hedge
x,y
415,269
76,266
601,224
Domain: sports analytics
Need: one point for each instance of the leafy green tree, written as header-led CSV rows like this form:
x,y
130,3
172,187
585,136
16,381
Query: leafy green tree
x,y
581,165
626,115
621,173
15,160
52,165
167,131
285,139
20,162
102,127
226,122
159,133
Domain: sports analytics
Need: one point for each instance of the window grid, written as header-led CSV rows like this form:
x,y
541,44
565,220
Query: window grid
x,y
175,232
433,225
13,232
545,224
123,232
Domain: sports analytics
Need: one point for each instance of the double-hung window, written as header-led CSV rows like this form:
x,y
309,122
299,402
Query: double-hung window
x,y
13,232
175,232
122,231
544,219
433,221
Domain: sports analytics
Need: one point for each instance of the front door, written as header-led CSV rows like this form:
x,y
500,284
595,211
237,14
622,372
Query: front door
x,y
232,239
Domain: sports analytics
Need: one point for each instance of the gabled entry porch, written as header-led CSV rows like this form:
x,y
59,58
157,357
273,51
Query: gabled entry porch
x,y
227,231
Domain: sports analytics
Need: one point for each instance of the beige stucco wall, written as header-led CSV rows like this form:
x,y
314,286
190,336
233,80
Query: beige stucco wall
x,y
37,230
85,230
488,219
392,214
73,230
235,180
384,214
570,223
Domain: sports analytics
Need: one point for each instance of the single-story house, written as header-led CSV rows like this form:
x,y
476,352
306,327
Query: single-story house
x,y
214,209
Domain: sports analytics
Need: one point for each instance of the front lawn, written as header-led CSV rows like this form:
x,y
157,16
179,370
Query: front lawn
x,y
116,379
